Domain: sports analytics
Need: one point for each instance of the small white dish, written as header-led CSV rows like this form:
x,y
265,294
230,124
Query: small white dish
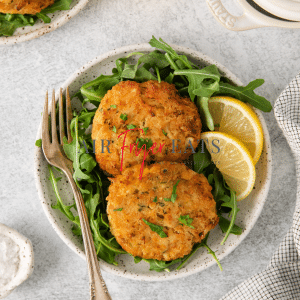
x,y
24,250
286,9
58,19
250,19
250,208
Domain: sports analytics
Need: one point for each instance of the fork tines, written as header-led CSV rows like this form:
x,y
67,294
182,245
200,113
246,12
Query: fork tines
x,y
62,122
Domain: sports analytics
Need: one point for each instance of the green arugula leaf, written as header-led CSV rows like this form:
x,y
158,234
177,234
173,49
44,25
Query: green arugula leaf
x,y
44,17
77,152
164,132
137,73
233,205
65,209
87,162
155,199
114,129
154,59
219,191
137,259
145,130
58,5
9,23
203,83
246,94
158,74
224,225
86,117
69,148
160,265
113,106
143,74
202,160
91,201
186,220
169,50
96,89
211,252
156,228
195,248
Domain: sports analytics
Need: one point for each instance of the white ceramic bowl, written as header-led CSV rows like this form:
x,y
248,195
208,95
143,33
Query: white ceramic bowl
x,y
26,259
40,28
286,9
250,208
250,19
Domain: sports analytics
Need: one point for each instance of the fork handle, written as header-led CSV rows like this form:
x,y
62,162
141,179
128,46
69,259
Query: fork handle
x,y
98,289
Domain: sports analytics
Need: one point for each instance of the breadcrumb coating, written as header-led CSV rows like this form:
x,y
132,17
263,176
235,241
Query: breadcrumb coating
x,y
166,118
131,200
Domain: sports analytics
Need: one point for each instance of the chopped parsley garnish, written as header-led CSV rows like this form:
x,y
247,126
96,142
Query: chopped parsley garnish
x,y
186,220
114,129
156,228
145,130
174,195
113,106
38,143
155,199
164,132
140,142
130,126
137,259
123,117
118,209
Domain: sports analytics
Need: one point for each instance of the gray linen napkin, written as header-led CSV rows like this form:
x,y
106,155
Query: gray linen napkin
x,y
281,279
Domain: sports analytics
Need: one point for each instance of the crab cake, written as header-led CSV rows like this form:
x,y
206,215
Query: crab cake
x,y
170,199
24,6
158,116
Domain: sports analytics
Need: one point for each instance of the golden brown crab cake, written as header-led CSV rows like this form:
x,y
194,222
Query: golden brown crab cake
x,y
24,6
166,118
186,220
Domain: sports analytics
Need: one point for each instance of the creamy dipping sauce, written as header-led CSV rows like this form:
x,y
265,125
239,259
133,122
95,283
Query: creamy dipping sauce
x,y
9,260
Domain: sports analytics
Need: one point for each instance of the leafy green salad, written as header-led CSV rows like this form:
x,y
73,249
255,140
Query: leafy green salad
x,y
10,22
163,63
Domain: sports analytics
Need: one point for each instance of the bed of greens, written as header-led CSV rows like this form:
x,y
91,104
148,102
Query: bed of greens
x,y
10,22
199,84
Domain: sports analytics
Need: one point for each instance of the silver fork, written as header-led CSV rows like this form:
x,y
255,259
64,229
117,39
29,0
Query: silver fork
x,y
55,156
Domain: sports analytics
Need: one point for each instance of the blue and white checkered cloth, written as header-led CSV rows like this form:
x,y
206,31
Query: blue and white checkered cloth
x,y
281,279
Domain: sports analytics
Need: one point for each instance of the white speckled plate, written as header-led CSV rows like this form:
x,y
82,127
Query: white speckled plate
x,y
250,208
58,18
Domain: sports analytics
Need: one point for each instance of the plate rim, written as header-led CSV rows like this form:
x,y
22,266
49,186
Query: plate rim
x,y
105,266
47,27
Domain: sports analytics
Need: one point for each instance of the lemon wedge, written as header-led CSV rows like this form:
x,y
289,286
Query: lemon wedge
x,y
233,160
239,120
